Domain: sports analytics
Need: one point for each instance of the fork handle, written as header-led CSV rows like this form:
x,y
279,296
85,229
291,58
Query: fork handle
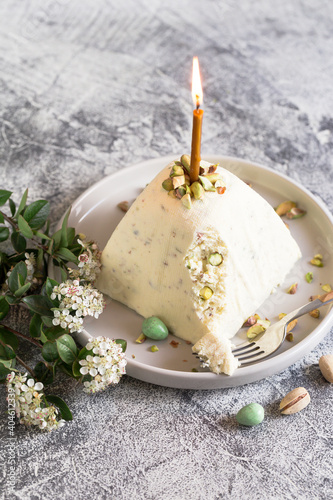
x,y
321,301
327,297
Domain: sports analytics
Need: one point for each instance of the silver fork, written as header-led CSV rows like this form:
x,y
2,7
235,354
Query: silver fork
x,y
270,340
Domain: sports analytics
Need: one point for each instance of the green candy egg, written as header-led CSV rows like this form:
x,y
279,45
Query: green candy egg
x,y
252,414
154,328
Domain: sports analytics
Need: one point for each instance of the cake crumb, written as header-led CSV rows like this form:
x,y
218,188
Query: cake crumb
x,y
174,343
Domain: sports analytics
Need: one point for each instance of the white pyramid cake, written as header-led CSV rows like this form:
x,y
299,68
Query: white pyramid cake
x,y
203,271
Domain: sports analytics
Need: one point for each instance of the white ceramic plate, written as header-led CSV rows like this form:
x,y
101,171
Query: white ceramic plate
x,y
95,214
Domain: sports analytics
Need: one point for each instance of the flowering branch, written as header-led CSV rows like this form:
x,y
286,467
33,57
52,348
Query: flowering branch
x,y
58,310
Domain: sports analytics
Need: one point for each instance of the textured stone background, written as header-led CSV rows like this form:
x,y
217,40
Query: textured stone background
x,y
91,86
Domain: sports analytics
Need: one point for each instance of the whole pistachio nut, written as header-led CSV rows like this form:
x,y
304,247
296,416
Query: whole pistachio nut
x,y
326,367
295,213
176,171
123,205
178,181
186,161
197,190
207,185
284,207
295,401
167,184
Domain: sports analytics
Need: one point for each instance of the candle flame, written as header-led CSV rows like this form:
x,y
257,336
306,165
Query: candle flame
x,y
197,93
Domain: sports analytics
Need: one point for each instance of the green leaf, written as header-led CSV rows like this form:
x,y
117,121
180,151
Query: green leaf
x,y
56,237
24,227
43,373
123,343
64,238
21,291
67,255
70,235
65,412
67,348
8,337
19,242
50,351
12,207
39,304
4,233
76,369
3,372
54,332
7,352
22,203
11,300
42,236
49,285
63,274
2,219
37,213
4,307
17,277
35,326
47,321
4,196
9,363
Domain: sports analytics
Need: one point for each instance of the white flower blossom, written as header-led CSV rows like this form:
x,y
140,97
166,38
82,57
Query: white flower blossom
x,y
89,262
76,302
106,367
29,403
30,262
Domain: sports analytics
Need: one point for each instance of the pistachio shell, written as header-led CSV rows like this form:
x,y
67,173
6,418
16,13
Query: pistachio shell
x,y
326,367
284,207
295,401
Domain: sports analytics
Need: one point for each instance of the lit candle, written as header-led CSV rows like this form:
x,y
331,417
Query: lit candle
x,y
197,122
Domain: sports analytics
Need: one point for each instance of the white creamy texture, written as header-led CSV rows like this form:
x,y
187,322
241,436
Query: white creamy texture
x,y
145,261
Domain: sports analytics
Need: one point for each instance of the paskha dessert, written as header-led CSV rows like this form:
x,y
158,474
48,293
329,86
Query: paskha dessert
x,y
203,263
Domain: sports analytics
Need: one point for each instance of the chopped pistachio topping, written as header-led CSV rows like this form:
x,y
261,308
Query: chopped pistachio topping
x,y
291,325
292,289
290,337
179,184
309,277
264,322
206,292
327,288
154,348
123,205
251,320
317,262
254,330
141,338
315,313
215,259
284,207
295,213
282,315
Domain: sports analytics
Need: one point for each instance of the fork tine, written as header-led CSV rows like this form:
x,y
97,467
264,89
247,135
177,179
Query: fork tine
x,y
245,345
253,351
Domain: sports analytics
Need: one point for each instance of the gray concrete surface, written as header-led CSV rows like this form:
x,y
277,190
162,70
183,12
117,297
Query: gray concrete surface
x,y
89,87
